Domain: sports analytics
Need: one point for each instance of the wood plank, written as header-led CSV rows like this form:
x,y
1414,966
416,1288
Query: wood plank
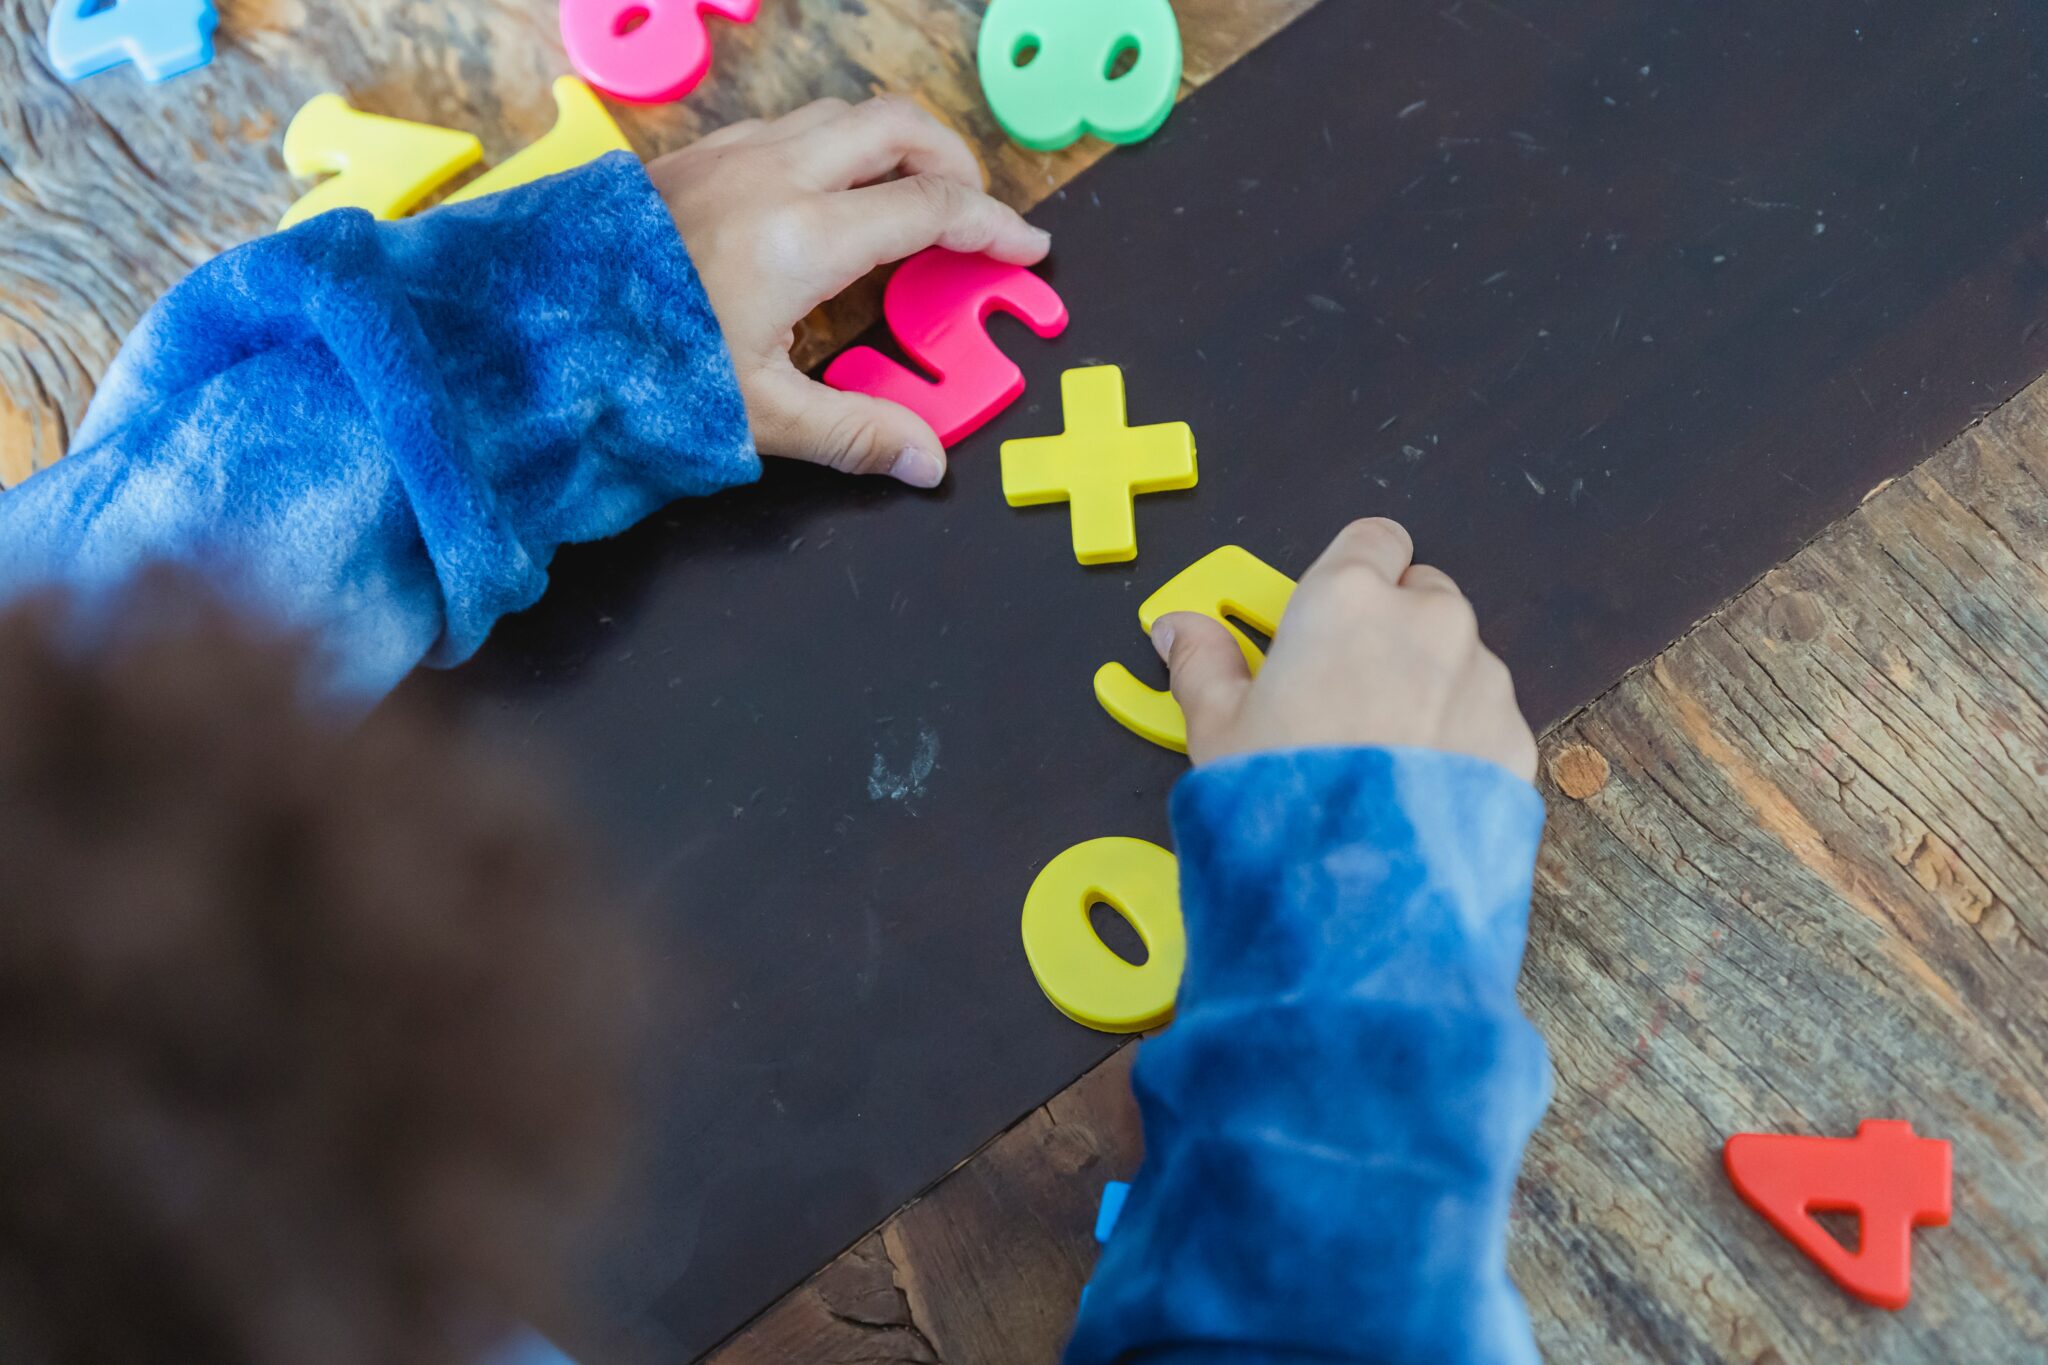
x,y
1796,875
113,189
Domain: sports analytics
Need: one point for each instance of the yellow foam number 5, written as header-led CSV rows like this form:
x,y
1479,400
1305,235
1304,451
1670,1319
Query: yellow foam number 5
x,y
1055,69
1225,583
1077,971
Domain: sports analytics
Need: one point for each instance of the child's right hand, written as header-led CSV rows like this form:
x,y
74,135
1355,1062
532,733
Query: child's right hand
x,y
780,216
1374,649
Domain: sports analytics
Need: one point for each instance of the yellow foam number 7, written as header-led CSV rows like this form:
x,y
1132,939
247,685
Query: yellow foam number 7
x,y
1225,583
389,166
385,165
1055,69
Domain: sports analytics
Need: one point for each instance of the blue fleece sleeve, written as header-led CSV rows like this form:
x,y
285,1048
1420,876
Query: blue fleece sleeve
x,y
380,432
1334,1119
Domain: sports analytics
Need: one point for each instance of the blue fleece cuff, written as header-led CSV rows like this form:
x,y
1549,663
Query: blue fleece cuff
x,y
1334,1118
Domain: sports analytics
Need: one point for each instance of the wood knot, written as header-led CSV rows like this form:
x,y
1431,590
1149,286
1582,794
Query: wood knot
x,y
1579,770
1796,616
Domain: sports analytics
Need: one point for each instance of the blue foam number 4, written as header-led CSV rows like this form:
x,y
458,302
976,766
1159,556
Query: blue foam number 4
x,y
1055,69
162,37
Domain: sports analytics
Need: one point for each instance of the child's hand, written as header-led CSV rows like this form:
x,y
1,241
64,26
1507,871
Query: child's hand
x,y
780,216
1373,650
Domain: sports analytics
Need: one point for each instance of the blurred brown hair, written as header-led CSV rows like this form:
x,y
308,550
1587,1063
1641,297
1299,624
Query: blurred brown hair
x,y
309,1043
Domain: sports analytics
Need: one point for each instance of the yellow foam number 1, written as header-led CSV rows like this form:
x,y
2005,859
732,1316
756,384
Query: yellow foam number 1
x,y
1225,583
583,131
1055,69
1078,971
385,165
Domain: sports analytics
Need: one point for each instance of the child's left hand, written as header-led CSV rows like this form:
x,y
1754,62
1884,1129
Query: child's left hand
x,y
780,216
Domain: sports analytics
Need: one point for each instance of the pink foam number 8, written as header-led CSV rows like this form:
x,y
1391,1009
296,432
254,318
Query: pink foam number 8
x,y
646,51
938,304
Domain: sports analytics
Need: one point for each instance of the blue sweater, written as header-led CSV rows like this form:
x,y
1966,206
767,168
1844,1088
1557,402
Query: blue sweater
x,y
380,432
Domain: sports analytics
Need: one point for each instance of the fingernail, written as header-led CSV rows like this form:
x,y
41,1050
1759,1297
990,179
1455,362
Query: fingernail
x,y
1162,638
919,467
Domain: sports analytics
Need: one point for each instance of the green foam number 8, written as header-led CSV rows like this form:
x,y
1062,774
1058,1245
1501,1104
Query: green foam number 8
x,y
1055,69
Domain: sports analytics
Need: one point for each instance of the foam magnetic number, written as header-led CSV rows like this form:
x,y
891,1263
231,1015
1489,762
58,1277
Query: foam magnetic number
x,y
162,37
646,51
385,165
938,304
1055,69
583,132
389,165
1891,1178
1078,971
1225,583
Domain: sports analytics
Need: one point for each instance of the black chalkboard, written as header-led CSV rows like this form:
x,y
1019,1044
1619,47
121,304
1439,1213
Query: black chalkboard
x,y
1614,303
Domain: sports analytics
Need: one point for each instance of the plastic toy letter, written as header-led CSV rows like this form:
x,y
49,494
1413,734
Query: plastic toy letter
x,y
1223,583
1049,68
1098,465
1891,1179
583,131
645,51
938,305
385,165
1078,971
162,37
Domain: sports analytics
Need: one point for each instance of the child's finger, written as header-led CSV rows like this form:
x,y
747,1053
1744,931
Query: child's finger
x,y
1209,670
1377,544
1428,578
854,433
806,117
882,223
881,137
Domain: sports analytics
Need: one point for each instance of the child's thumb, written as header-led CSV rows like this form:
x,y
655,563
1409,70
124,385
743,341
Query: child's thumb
x,y
854,433
1209,672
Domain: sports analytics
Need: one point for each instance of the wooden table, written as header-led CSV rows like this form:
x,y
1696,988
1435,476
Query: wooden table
x,y
1795,869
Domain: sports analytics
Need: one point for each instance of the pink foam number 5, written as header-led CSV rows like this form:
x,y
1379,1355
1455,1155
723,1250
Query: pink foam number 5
x,y
938,304
646,51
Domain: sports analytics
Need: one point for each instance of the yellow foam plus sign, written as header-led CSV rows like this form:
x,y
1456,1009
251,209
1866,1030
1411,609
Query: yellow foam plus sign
x,y
1098,464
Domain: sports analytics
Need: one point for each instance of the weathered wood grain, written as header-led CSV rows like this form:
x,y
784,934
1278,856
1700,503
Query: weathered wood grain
x,y
1796,876
112,189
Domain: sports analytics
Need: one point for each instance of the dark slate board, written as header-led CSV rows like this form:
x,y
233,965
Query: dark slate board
x,y
1613,303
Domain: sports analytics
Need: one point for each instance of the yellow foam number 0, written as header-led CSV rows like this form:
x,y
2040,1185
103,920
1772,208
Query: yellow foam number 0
x,y
385,165
1055,69
1225,583
1078,971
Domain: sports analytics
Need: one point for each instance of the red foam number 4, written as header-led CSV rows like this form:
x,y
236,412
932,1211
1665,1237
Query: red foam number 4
x,y
1889,1178
938,304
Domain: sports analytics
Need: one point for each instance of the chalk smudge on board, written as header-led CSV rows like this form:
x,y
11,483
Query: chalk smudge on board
x,y
884,784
